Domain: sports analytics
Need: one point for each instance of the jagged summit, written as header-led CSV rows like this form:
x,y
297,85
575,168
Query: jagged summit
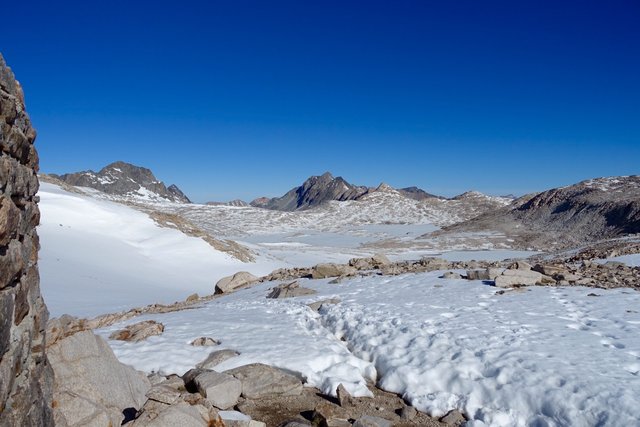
x,y
124,179
315,191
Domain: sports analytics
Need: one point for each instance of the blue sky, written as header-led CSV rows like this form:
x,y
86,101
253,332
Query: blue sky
x,y
239,99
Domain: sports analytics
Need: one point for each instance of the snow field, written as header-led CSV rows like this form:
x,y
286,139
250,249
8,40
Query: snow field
x,y
100,257
537,357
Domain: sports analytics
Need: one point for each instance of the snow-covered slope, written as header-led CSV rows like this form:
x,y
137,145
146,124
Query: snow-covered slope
x,y
98,256
536,357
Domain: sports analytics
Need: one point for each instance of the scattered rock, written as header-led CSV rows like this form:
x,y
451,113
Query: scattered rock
x,y
451,275
370,421
454,418
260,380
138,331
322,271
217,357
204,342
222,390
289,290
315,306
231,283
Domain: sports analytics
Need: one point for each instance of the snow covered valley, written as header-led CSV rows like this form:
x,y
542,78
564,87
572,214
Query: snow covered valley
x,y
536,356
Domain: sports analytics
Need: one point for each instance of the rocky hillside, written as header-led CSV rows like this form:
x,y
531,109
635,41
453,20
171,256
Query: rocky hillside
x,y
313,192
591,210
125,179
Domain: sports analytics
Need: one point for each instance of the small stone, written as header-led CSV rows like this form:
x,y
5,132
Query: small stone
x,y
204,342
344,397
451,275
193,298
408,413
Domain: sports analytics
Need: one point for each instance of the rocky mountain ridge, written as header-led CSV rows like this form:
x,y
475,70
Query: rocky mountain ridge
x,y
318,190
124,179
591,210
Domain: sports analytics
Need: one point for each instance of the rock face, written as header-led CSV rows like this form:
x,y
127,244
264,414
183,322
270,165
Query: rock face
x,y
25,375
313,192
124,179
90,383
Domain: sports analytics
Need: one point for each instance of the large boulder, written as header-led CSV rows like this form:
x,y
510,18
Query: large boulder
x,y
91,384
222,390
260,380
322,271
231,283
516,277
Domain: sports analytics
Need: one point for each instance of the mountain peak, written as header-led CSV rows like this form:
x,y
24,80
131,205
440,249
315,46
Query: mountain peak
x,y
315,191
124,179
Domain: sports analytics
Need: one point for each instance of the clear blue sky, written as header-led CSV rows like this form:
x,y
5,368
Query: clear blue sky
x,y
247,98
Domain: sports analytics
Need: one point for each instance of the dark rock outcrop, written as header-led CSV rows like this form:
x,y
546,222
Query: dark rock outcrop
x,y
313,192
25,375
416,193
124,179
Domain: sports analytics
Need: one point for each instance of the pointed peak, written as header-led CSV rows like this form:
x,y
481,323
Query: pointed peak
x,y
385,187
327,176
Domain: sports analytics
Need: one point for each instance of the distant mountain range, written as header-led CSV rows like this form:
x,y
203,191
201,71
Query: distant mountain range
x,y
318,190
124,179
591,210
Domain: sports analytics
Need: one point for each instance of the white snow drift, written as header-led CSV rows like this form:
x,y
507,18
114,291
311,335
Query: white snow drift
x,y
98,257
542,356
